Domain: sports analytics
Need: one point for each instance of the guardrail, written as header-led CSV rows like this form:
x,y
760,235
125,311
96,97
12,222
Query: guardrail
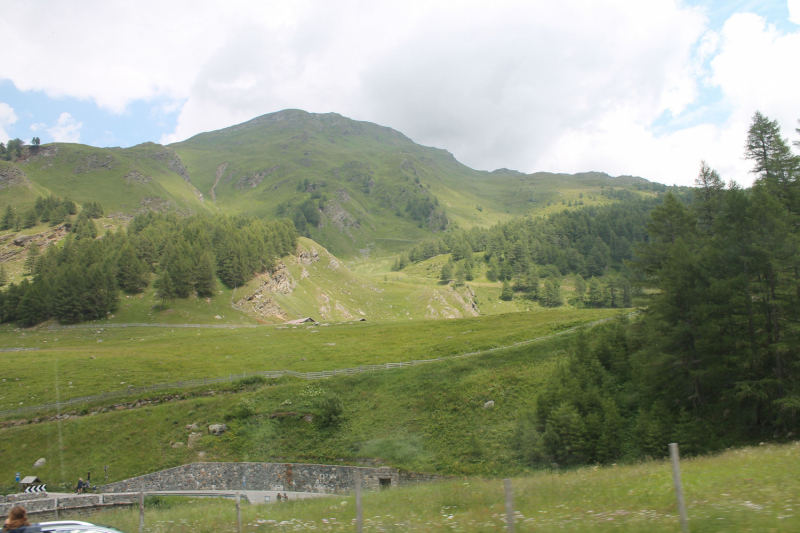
x,y
275,374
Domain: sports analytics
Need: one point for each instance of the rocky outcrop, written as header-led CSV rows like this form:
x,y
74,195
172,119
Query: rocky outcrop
x,y
337,216
136,176
306,258
253,180
260,301
11,176
92,163
155,203
173,161
42,154
11,248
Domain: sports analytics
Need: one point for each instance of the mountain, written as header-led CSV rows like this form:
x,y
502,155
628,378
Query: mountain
x,y
355,187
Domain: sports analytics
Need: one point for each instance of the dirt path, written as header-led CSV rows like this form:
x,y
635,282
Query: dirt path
x,y
220,172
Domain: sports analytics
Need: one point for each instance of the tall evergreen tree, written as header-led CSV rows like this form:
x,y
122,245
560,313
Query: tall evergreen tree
x,y
8,219
552,293
30,258
165,290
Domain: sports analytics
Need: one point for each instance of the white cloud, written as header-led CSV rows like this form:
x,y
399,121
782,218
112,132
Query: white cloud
x,y
7,118
527,84
36,126
66,129
794,11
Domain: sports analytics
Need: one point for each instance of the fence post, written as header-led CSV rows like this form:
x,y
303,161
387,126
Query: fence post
x,y
676,479
238,514
359,510
141,511
509,505
55,507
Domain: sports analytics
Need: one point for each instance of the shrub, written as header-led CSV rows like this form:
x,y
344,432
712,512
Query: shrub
x,y
330,409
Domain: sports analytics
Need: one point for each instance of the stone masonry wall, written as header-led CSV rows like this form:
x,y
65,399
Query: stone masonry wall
x,y
45,508
289,477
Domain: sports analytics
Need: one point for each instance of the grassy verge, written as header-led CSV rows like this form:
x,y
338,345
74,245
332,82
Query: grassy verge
x,y
745,490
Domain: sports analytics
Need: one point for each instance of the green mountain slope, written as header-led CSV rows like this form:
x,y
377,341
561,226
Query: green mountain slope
x,y
362,189
125,181
373,189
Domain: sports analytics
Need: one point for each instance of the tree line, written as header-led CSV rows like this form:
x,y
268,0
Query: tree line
x,y
530,254
714,359
81,279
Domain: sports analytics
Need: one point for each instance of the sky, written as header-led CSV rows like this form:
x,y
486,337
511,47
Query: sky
x,y
618,86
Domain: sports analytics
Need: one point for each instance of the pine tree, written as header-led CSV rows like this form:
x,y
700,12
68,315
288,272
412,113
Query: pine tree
x,y
580,288
3,276
8,219
447,272
205,283
31,257
29,219
164,288
552,293
460,276
506,293
132,273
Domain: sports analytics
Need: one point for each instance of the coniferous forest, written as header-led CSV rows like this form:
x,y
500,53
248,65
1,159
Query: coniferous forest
x,y
82,279
713,359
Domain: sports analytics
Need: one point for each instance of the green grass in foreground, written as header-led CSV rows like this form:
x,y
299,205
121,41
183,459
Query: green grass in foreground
x,y
424,418
750,489
90,361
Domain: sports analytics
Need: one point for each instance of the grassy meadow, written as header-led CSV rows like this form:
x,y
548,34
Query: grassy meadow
x,y
745,490
82,362
427,418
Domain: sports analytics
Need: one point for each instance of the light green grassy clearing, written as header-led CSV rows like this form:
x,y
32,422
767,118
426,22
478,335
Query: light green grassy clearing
x,y
745,490
81,366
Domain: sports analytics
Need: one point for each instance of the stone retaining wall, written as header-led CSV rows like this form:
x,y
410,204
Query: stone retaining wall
x,y
294,477
50,507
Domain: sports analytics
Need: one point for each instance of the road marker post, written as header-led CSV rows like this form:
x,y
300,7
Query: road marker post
x,y
238,513
509,505
359,510
676,479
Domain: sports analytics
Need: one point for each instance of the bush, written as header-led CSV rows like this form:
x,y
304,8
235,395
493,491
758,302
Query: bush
x,y
251,380
245,408
330,409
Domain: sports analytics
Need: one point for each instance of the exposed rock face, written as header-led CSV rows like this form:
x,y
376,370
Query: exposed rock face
x,y
40,463
138,177
11,176
93,163
155,203
260,302
135,175
11,248
45,154
174,162
489,404
306,258
178,445
337,216
253,180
